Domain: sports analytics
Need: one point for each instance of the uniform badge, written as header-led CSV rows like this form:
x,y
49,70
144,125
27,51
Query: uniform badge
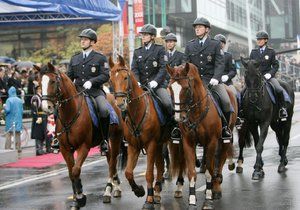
x,y
154,63
93,69
166,58
209,58
140,56
266,57
106,65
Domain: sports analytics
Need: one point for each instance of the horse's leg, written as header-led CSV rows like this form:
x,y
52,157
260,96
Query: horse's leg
x,y
210,166
133,154
242,142
283,136
179,184
69,158
258,167
189,152
203,161
113,182
166,157
159,163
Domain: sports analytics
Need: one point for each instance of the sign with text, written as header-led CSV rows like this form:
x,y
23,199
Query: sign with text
x,y
138,12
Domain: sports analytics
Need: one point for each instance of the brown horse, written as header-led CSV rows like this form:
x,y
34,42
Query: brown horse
x,y
142,130
74,129
199,122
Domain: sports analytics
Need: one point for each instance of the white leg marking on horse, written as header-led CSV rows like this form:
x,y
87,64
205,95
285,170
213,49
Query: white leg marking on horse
x,y
230,161
208,180
179,187
45,83
192,198
108,189
240,163
176,90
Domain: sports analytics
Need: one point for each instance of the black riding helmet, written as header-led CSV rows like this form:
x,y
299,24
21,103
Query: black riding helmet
x,y
221,38
149,29
89,33
262,35
171,37
201,21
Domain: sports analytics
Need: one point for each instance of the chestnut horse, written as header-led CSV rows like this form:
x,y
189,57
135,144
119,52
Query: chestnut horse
x,y
199,122
74,129
142,130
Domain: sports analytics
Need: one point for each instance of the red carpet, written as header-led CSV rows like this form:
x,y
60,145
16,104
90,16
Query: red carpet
x,y
43,160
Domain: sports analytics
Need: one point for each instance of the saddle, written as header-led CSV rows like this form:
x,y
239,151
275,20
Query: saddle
x,y
272,94
158,105
217,101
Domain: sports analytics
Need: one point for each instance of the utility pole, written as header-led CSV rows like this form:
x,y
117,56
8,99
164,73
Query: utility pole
x,y
131,30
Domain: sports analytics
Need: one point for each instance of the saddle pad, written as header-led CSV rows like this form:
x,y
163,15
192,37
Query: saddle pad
x,y
113,115
159,112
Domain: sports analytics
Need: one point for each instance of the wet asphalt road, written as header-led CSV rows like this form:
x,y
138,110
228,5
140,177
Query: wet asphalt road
x,y
50,188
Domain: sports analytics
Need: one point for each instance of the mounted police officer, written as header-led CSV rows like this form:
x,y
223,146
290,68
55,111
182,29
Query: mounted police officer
x,y
149,66
230,70
175,57
268,67
207,55
89,69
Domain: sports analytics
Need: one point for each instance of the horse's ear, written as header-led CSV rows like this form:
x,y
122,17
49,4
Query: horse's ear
x,y
37,67
121,60
170,70
245,64
111,62
186,69
51,67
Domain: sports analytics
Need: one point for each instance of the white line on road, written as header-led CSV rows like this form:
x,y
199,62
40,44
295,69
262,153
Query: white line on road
x,y
11,184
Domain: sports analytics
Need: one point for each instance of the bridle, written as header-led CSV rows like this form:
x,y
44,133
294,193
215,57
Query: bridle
x,y
190,105
58,100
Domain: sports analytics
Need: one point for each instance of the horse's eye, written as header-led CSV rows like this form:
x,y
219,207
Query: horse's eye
x,y
125,78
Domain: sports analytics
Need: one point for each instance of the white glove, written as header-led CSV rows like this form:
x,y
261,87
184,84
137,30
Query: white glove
x,y
267,76
139,84
153,84
39,120
213,82
224,78
87,85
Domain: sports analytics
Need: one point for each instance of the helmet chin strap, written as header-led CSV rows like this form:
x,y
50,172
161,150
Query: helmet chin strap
x,y
86,48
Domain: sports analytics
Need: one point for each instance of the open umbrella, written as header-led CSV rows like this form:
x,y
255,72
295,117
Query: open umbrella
x,y
24,64
5,59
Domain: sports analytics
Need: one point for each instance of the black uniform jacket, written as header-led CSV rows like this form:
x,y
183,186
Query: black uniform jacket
x,y
268,62
149,65
94,69
208,58
230,69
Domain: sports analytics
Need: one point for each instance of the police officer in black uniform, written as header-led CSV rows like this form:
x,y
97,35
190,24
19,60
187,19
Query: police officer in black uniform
x,y
230,70
149,66
175,57
268,67
89,69
207,55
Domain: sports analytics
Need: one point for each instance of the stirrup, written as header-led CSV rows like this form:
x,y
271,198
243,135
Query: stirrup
x,y
239,123
104,148
176,135
55,145
226,139
283,114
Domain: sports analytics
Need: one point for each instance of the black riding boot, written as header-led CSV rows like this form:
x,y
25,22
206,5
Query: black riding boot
x,y
176,136
39,147
226,132
282,110
105,130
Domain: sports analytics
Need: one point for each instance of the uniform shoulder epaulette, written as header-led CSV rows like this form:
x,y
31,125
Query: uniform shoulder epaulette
x,y
77,53
271,48
191,40
139,48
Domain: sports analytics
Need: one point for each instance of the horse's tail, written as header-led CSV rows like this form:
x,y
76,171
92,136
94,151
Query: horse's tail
x,y
122,158
178,163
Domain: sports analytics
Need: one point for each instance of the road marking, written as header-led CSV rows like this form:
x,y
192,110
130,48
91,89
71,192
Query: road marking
x,y
201,189
29,179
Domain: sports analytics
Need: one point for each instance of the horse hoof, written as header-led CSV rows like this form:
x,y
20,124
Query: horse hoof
x,y
139,191
281,168
202,169
217,195
75,208
167,175
157,199
208,204
257,175
231,166
81,201
148,206
74,205
178,194
106,199
239,170
117,193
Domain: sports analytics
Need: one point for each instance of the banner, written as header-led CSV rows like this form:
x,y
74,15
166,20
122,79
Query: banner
x,y
125,19
138,12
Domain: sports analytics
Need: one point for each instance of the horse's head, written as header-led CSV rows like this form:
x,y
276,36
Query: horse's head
x,y
181,87
253,76
120,81
50,84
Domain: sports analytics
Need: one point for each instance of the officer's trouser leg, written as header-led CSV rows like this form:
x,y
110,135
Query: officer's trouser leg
x,y
225,104
104,121
280,98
